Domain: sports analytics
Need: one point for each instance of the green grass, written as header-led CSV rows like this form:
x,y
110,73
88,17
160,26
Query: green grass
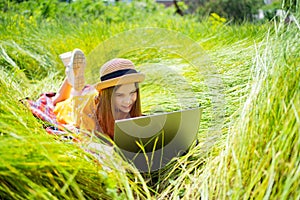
x,y
249,141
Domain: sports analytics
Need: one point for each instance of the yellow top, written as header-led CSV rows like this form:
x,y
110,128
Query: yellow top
x,y
79,111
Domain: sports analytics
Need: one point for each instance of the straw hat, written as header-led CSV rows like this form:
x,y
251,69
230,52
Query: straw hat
x,y
118,71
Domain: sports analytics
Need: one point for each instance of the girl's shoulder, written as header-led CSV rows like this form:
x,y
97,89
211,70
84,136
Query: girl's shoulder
x,y
89,90
86,99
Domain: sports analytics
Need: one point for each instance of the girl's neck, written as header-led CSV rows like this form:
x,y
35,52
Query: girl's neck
x,y
121,115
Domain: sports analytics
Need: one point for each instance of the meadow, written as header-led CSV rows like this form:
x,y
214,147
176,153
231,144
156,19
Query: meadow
x,y
249,136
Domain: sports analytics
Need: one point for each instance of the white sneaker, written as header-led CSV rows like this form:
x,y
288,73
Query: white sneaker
x,y
75,70
66,57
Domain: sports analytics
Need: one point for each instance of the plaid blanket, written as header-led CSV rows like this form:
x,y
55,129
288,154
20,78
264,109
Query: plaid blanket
x,y
43,109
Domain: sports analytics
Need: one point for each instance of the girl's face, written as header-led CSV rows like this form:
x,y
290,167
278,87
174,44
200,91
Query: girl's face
x,y
124,97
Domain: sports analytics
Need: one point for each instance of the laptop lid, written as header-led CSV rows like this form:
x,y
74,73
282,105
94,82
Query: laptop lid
x,y
150,142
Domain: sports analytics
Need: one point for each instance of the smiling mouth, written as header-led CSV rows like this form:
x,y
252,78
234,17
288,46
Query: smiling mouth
x,y
127,107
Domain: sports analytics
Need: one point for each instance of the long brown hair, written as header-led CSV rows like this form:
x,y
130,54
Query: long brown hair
x,y
104,111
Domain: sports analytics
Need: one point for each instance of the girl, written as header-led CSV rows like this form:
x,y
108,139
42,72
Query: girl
x,y
95,108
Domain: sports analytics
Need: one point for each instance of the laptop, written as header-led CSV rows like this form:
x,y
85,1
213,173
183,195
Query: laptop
x,y
150,142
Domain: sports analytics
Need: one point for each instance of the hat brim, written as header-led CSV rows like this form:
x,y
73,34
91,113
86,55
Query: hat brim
x,y
126,79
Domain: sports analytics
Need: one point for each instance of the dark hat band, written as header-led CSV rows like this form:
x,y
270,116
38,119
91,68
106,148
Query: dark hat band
x,y
117,74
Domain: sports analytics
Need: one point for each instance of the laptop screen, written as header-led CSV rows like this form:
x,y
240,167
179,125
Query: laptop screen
x,y
150,142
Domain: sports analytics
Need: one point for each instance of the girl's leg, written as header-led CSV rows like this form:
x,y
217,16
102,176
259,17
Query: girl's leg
x,y
74,81
63,92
